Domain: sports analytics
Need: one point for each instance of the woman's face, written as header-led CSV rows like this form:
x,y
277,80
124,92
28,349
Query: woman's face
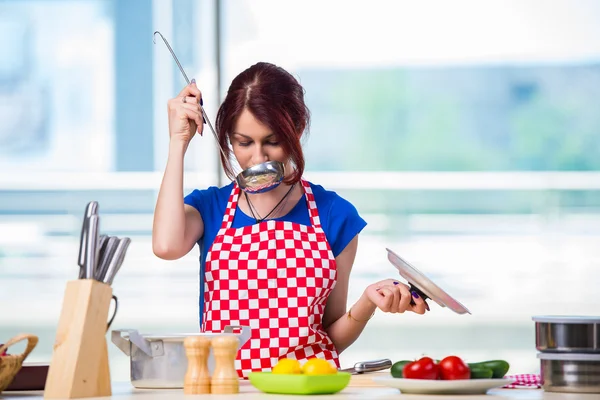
x,y
253,143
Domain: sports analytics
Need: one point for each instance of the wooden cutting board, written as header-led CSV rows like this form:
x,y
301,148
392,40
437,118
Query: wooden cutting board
x,y
366,379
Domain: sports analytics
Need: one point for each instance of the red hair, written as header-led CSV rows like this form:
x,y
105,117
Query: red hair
x,y
275,99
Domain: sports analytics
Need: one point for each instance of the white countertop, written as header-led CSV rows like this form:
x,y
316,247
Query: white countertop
x,y
124,391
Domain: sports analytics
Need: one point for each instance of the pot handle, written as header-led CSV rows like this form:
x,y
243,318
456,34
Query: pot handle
x,y
134,337
243,336
123,344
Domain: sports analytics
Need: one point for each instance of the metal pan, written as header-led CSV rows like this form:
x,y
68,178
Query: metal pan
x,y
159,360
570,372
567,334
424,286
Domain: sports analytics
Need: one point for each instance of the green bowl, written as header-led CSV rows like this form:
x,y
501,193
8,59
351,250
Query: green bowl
x,y
299,383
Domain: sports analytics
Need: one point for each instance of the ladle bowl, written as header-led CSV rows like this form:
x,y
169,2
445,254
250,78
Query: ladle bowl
x,y
262,177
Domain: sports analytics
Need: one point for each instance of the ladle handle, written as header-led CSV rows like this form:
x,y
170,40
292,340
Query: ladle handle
x,y
213,131
188,82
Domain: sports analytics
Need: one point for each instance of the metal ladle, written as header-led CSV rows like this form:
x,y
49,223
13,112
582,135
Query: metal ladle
x,y
256,179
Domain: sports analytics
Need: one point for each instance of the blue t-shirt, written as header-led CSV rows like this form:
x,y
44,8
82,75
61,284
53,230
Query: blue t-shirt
x,y
339,219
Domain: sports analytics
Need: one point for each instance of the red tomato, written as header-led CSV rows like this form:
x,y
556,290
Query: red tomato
x,y
452,367
424,368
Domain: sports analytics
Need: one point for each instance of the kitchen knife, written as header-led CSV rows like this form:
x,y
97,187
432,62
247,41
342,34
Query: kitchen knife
x,y
117,260
90,209
91,246
126,241
105,257
102,239
369,366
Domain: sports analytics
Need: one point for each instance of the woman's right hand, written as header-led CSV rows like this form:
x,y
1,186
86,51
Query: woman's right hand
x,y
185,116
392,296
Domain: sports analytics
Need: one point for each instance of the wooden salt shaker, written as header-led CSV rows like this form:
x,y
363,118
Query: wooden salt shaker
x,y
225,379
197,377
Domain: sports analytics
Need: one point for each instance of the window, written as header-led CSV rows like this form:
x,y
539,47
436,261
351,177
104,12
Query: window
x,y
466,134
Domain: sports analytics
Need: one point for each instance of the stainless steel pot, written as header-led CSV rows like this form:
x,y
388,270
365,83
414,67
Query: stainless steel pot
x,y
159,361
570,372
567,334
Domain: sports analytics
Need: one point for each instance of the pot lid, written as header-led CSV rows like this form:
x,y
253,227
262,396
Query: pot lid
x,y
567,319
569,356
173,337
424,285
176,337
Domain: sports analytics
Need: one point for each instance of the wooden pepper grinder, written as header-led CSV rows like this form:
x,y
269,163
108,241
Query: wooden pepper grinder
x,y
225,379
197,377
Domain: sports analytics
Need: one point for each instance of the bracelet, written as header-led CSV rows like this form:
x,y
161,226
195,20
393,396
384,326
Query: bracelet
x,y
351,317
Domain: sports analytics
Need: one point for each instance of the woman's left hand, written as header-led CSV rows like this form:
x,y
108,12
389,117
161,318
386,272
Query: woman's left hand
x,y
392,296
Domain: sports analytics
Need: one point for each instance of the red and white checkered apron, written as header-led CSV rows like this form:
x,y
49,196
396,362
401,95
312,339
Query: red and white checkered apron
x,y
274,277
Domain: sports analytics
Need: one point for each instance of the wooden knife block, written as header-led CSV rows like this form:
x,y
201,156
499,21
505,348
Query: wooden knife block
x,y
79,366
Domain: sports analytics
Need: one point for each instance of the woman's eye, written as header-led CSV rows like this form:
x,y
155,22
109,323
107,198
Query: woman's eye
x,y
248,143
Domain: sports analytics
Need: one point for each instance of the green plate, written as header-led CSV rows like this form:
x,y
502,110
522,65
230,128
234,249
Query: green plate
x,y
298,383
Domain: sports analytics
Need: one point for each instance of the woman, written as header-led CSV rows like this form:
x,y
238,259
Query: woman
x,y
277,261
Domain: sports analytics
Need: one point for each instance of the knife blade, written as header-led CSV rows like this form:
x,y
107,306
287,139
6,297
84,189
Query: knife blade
x,y
369,366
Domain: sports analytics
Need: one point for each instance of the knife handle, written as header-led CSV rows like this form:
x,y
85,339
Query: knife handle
x,y
91,250
90,209
374,365
116,260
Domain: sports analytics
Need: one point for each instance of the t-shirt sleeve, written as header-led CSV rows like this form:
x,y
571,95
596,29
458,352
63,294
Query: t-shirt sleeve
x,y
206,201
344,224
197,199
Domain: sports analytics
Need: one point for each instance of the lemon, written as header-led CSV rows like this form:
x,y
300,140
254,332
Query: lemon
x,y
318,366
287,366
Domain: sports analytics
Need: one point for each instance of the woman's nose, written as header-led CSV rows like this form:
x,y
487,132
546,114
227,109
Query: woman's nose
x,y
259,156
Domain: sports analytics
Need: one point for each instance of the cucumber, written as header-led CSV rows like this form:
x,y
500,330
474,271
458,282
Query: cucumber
x,y
481,373
397,368
498,367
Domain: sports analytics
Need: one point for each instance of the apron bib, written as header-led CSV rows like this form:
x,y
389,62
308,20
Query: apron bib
x,y
274,277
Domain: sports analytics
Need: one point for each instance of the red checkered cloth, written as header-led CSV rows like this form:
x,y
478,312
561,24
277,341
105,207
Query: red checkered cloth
x,y
524,381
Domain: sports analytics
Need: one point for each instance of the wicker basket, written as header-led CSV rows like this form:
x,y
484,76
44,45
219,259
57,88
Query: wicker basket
x,y
11,364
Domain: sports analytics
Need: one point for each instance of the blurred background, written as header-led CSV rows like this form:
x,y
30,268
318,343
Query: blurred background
x,y
466,133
